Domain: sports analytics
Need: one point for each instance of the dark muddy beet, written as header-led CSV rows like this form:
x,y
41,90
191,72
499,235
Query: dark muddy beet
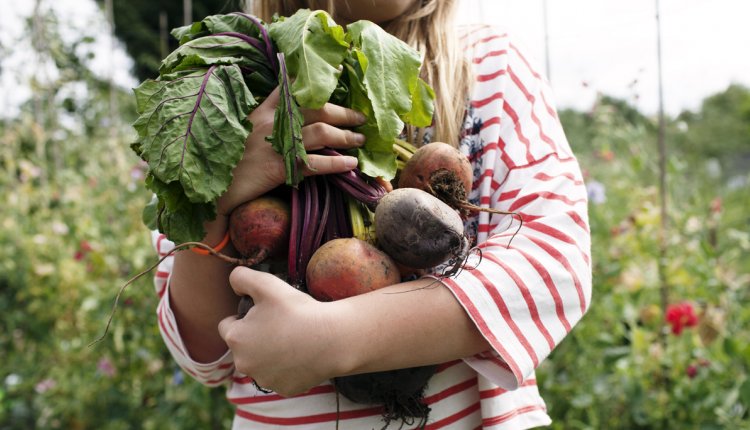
x,y
400,392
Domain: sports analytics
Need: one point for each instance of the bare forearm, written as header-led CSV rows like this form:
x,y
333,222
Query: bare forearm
x,y
405,325
200,296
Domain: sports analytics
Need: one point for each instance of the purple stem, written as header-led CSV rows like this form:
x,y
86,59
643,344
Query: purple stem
x,y
266,38
294,237
309,228
324,214
250,40
246,70
344,223
355,183
202,91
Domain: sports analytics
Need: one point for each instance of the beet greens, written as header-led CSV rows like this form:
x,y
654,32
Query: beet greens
x,y
192,122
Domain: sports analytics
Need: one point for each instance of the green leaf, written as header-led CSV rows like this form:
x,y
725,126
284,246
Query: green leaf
x,y
230,23
177,217
745,392
144,94
314,48
286,138
187,32
215,24
150,215
376,157
213,50
193,129
422,106
390,76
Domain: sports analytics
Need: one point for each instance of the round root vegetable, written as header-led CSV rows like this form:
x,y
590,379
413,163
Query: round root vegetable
x,y
347,267
401,392
441,170
418,230
260,228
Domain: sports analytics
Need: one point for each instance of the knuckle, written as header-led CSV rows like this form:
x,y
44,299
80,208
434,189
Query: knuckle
x,y
325,113
310,116
321,130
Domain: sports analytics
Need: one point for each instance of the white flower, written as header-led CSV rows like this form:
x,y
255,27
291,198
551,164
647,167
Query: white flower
x,y
597,192
12,380
60,228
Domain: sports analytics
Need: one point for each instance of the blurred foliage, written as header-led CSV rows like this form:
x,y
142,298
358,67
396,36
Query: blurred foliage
x,y
137,25
71,235
621,367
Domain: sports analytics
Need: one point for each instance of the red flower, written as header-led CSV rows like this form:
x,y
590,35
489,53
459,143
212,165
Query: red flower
x,y
681,315
84,247
691,371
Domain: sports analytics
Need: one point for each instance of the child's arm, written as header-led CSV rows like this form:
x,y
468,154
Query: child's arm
x,y
200,296
289,342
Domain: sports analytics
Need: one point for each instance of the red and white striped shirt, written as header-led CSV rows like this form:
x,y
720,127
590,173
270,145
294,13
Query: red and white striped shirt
x,y
524,295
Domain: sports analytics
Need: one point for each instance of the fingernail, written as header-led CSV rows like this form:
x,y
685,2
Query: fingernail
x,y
358,138
361,118
350,162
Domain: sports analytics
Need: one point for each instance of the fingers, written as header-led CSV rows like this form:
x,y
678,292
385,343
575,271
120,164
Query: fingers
x,y
249,282
320,135
334,115
325,164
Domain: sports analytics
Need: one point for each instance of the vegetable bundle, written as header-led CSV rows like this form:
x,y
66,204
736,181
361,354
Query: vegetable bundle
x,y
192,127
193,124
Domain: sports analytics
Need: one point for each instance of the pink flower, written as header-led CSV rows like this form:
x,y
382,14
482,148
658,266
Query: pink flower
x,y
716,204
606,155
45,385
85,246
106,368
681,315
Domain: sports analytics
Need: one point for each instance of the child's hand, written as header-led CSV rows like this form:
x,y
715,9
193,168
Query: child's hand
x,y
287,342
262,169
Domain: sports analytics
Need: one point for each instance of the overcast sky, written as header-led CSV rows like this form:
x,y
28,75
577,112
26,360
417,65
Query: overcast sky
x,y
594,46
611,46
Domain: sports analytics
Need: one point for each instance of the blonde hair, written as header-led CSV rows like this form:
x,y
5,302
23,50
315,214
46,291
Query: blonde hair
x,y
427,26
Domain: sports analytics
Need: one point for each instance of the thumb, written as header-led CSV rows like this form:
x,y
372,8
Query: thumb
x,y
224,326
254,283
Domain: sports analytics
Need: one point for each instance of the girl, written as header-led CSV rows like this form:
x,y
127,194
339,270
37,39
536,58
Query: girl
x,y
488,328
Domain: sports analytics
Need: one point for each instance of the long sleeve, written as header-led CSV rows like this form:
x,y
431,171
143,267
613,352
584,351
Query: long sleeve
x,y
210,374
528,287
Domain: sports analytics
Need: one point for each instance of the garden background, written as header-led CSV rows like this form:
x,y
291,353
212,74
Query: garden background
x,y
665,345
